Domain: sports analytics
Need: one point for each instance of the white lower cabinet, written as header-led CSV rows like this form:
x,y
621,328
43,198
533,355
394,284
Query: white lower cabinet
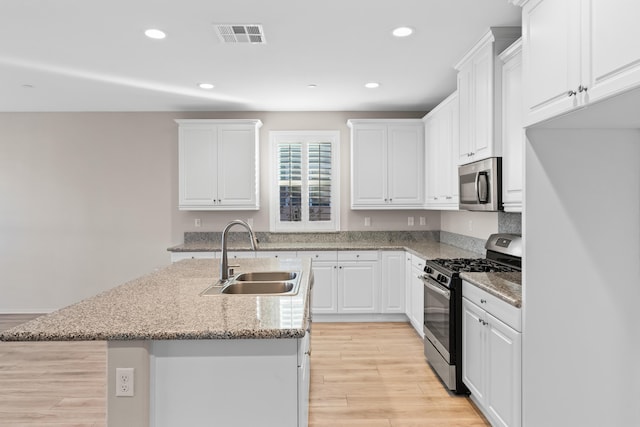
x,y
492,356
345,282
415,288
393,282
358,282
324,295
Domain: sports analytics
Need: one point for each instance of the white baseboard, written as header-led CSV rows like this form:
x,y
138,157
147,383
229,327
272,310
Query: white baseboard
x,y
339,317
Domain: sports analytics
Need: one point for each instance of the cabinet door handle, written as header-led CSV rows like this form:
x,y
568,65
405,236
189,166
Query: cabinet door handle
x,y
571,93
582,88
340,267
483,301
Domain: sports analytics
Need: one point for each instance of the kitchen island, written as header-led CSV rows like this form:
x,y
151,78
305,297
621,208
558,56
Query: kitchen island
x,y
223,359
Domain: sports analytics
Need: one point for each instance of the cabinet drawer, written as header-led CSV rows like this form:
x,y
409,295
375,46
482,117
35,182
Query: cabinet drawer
x,y
276,254
504,311
417,262
178,256
319,255
357,255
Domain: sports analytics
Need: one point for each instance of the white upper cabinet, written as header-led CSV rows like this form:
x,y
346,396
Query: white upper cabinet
x,y
442,135
576,52
479,95
218,164
387,164
513,135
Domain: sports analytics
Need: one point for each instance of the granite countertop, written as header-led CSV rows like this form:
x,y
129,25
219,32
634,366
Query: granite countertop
x,y
427,249
166,305
506,286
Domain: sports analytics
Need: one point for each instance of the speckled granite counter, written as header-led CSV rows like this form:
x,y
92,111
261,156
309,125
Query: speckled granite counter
x,y
166,305
427,249
506,286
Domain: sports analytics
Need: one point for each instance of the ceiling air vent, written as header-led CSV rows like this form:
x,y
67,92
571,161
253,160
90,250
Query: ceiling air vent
x,y
239,33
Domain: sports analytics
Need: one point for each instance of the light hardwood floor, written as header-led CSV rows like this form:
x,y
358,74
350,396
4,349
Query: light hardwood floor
x,y
362,374
51,383
375,375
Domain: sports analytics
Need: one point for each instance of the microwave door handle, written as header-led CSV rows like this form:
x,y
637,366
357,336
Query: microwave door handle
x,y
482,187
477,184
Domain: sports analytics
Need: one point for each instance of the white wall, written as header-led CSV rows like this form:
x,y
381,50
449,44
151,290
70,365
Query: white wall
x,y
581,278
85,204
89,200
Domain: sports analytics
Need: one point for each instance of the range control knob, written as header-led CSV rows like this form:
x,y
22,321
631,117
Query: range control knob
x,y
428,270
442,278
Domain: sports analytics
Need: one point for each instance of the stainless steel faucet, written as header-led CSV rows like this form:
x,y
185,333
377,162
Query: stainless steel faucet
x,y
224,263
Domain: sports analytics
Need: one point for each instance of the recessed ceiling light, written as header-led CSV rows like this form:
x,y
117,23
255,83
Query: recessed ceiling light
x,y
154,33
312,86
372,85
402,32
27,86
205,86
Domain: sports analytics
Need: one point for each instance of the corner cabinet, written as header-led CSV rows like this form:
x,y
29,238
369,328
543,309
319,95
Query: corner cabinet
x,y
492,355
218,164
513,134
576,52
479,95
441,134
387,164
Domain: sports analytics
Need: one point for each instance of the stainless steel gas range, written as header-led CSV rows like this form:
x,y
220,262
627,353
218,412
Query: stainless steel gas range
x,y
443,303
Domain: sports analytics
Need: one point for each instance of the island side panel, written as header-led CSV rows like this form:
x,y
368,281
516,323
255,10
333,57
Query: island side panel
x,y
128,411
233,382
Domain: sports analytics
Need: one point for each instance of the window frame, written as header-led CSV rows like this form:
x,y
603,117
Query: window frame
x,y
305,137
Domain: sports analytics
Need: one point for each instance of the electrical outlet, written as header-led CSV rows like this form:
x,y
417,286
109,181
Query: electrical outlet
x,y
124,382
423,221
250,222
197,222
410,220
470,225
367,221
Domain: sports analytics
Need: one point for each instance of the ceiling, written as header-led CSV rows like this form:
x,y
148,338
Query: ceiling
x,y
85,55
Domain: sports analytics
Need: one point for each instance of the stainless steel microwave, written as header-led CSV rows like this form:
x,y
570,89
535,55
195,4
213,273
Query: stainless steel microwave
x,y
481,185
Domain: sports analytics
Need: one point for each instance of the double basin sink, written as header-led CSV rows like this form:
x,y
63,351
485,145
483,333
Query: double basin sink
x,y
278,283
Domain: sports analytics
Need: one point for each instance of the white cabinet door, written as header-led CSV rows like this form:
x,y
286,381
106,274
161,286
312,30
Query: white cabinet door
x,y
611,62
465,77
393,282
504,387
358,287
513,135
325,287
406,165
415,311
237,160
474,349
441,130
408,282
551,57
198,178
369,165
483,103
218,164
387,164
417,302
479,96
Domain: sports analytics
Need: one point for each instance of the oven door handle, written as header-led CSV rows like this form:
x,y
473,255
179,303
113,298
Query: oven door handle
x,y
437,289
